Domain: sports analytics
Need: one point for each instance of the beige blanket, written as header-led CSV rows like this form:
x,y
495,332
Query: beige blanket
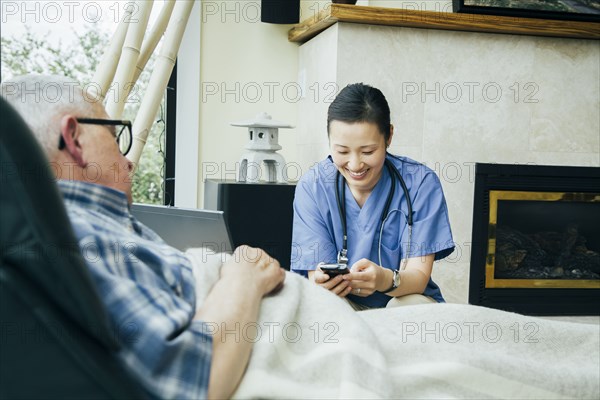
x,y
309,343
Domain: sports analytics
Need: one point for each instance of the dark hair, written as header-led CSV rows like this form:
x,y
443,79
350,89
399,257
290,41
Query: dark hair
x,y
361,103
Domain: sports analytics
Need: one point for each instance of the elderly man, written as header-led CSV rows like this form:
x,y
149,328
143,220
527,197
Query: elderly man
x,y
143,282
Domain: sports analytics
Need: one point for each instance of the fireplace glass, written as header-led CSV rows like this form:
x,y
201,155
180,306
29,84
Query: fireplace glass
x,y
543,239
536,239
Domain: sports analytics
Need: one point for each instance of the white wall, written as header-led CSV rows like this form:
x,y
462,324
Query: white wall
x,y
188,119
458,98
420,5
246,67
309,8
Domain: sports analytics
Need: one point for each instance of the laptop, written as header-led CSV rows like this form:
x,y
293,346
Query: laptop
x,y
184,228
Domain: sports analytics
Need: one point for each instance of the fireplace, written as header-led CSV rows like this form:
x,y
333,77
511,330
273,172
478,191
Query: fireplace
x,y
536,239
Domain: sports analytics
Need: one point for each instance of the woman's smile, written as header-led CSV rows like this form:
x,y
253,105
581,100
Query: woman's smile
x,y
357,175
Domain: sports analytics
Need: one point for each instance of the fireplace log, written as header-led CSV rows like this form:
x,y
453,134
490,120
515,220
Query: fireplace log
x,y
546,254
516,250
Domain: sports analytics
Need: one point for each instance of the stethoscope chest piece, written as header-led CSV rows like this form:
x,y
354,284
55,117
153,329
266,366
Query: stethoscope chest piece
x,y
342,257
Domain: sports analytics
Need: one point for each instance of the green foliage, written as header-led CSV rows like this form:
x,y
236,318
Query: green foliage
x,y
31,53
592,3
147,182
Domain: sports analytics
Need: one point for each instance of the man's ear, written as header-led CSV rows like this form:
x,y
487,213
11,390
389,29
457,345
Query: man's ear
x,y
389,142
70,131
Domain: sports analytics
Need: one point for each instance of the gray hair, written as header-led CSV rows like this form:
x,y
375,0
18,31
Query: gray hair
x,y
42,100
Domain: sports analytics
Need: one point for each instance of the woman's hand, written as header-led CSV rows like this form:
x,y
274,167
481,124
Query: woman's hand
x,y
366,277
336,285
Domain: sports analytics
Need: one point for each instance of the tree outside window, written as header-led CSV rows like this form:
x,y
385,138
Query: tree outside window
x,y
37,46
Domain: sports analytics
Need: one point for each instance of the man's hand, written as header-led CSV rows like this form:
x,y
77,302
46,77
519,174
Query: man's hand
x,y
233,302
337,285
256,268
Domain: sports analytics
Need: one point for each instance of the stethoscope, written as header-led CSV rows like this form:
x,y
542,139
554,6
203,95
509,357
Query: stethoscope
x,y
342,257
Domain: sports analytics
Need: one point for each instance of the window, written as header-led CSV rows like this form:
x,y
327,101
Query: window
x,y
69,38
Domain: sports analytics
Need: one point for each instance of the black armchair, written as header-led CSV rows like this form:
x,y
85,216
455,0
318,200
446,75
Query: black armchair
x,y
55,338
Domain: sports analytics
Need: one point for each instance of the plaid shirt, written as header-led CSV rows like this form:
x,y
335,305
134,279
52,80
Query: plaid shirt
x,y
149,291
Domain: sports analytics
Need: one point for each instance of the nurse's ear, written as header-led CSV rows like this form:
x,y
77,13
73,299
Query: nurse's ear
x,y
389,142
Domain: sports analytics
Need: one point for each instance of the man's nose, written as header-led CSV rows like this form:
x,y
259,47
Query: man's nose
x,y
128,164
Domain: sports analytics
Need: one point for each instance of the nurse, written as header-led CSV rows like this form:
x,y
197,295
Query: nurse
x,y
390,256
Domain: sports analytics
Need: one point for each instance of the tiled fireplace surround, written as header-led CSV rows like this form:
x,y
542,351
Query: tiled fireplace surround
x,y
458,98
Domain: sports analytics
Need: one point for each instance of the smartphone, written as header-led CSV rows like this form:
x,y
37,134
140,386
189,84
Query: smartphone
x,y
334,269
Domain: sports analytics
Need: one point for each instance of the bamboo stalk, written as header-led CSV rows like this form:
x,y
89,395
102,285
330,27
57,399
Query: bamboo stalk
x,y
153,37
160,77
105,71
129,58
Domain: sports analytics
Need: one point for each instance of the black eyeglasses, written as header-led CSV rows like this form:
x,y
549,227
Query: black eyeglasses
x,y
123,140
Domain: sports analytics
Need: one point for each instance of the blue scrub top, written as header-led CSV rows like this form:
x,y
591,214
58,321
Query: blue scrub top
x,y
317,230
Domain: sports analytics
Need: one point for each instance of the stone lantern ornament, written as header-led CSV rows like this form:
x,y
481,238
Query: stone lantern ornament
x,y
262,149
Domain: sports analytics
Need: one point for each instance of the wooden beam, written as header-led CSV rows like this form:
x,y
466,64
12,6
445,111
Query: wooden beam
x,y
441,20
